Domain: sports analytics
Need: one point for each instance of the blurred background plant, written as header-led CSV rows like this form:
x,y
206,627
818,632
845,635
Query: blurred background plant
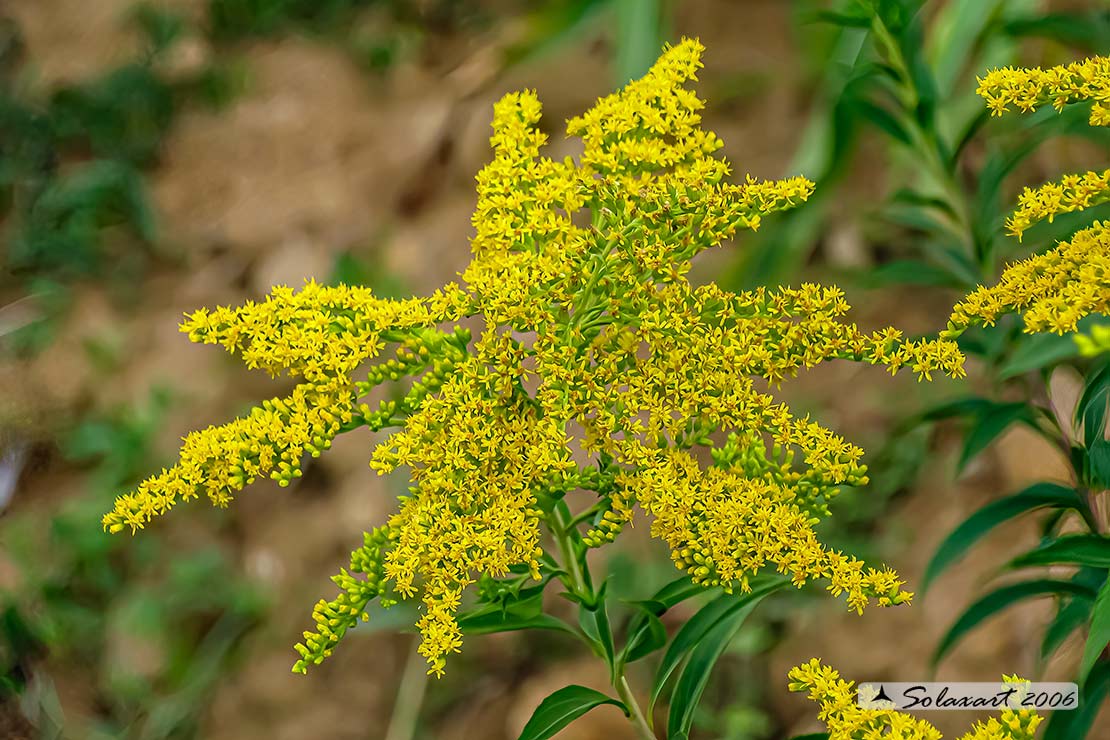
x,y
151,631
158,158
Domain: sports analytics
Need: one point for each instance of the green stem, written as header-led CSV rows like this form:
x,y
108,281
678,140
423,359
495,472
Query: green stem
x,y
926,144
562,529
635,714
579,586
410,695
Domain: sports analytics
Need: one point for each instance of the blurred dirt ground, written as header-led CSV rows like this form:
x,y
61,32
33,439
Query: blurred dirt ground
x,y
317,159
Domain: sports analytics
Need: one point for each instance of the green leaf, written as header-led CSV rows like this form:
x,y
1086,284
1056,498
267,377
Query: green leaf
x,y
1098,637
601,618
1093,404
695,673
594,621
812,736
913,272
498,621
952,255
1000,599
1074,725
679,590
1081,549
1089,30
563,707
1069,617
1037,351
884,120
955,35
841,19
991,423
639,34
645,629
960,407
700,625
1098,453
990,516
647,636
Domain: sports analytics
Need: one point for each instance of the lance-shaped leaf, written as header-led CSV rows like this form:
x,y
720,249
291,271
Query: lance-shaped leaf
x,y
975,527
563,707
1000,599
1090,550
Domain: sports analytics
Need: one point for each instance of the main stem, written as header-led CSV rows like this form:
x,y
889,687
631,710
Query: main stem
x,y
635,714
582,589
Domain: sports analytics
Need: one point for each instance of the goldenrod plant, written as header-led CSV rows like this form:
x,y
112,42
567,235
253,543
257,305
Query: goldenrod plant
x,y
574,378
1031,329
1053,291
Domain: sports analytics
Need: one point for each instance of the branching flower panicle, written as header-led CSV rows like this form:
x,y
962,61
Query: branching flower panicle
x,y
1053,290
591,338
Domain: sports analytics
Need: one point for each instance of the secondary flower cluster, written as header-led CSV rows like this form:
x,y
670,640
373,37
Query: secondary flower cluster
x,y
1053,290
1072,193
590,338
846,720
1056,289
1030,88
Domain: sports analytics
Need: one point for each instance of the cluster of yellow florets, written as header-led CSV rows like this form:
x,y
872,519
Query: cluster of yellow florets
x,y
320,335
1030,88
847,720
1072,193
1056,289
593,339
1053,290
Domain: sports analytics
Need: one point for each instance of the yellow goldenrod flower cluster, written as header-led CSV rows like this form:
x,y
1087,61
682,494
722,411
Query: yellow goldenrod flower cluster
x,y
589,338
1031,88
1053,290
846,720
320,334
220,461
1056,289
1072,193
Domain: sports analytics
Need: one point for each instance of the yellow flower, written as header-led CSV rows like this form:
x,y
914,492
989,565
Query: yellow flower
x,y
1056,289
1028,89
593,338
846,720
1053,290
1072,193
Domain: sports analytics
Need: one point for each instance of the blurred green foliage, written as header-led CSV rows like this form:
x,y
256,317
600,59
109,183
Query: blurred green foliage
x,y
150,629
905,69
232,19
